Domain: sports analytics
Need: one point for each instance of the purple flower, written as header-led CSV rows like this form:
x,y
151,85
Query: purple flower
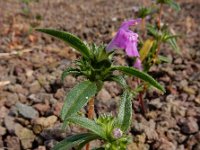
x,y
126,39
138,64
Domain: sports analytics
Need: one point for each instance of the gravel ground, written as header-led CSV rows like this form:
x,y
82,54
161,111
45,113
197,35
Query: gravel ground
x,y
31,93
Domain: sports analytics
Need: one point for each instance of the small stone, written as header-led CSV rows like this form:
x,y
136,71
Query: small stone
x,y
45,122
170,98
27,111
13,143
57,108
150,131
60,93
41,148
178,110
29,72
189,90
155,103
104,95
33,98
178,61
190,126
180,147
25,135
191,112
69,81
166,145
138,146
176,135
4,111
17,88
22,98
2,131
197,100
9,124
11,99
113,88
35,87
140,138
183,83
151,115
22,121
42,108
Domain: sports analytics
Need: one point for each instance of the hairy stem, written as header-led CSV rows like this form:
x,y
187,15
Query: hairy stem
x,y
90,115
159,16
140,98
143,27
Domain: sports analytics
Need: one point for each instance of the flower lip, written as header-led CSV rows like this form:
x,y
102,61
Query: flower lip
x,y
132,22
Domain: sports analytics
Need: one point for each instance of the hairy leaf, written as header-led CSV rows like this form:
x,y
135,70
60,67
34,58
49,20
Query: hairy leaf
x,y
74,140
174,5
164,59
142,75
77,98
172,42
88,124
125,111
70,39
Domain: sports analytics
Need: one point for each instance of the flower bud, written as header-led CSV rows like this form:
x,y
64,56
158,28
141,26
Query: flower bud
x,y
117,133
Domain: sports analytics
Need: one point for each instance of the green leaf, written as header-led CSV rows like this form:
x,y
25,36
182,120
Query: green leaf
x,y
171,3
143,12
70,39
172,42
77,98
124,118
80,147
152,31
88,124
164,59
70,71
174,5
74,140
142,75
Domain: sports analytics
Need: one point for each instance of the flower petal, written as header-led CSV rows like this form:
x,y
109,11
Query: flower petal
x,y
131,49
126,24
138,64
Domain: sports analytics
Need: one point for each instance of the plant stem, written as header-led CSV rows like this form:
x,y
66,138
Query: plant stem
x,y
159,16
140,98
143,26
90,115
